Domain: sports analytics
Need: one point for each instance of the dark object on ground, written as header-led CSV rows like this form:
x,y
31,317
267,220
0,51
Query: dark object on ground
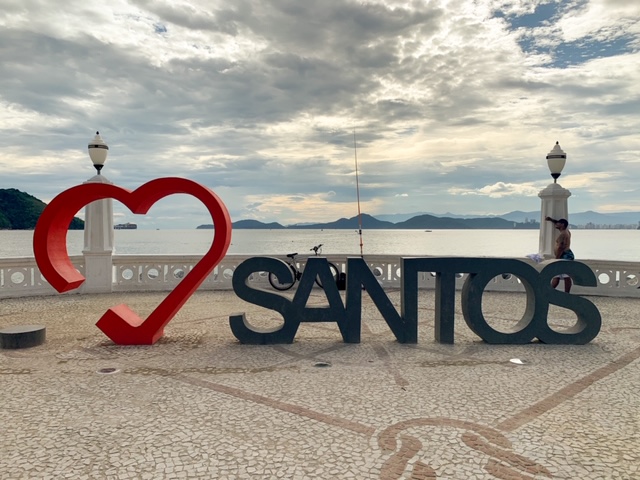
x,y
22,336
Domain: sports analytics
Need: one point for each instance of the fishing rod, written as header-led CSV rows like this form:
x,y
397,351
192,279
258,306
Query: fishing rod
x,y
355,152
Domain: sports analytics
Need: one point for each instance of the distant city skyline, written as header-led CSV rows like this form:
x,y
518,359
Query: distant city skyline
x,y
454,105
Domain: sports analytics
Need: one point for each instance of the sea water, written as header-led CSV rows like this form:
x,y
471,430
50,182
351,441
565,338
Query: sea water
x,y
623,245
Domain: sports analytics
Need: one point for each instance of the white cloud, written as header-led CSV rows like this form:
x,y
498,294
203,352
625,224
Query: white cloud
x,y
499,190
603,18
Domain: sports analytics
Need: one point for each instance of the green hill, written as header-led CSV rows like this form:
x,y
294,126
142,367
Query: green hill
x,y
429,221
20,211
348,223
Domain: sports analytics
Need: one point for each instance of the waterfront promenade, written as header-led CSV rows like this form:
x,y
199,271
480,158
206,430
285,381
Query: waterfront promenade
x,y
200,405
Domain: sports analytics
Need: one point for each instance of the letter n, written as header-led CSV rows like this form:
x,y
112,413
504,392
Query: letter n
x,y
359,277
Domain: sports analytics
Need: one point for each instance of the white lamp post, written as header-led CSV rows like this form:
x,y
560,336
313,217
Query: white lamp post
x,y
98,228
554,202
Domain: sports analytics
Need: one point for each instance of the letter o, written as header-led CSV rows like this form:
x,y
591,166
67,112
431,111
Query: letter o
x,y
528,326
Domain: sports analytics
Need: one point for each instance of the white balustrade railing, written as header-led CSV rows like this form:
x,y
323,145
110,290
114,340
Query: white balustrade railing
x,y
20,277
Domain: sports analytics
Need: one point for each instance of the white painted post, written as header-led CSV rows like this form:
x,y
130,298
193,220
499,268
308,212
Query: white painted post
x,y
554,203
98,231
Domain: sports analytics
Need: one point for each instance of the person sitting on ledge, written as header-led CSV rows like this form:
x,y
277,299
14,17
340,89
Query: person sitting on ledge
x,y
562,250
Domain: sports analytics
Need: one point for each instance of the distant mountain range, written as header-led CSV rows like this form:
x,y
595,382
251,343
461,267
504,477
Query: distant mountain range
x,y
427,221
20,211
576,219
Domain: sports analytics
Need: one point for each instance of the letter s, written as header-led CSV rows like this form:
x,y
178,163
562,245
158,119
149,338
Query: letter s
x,y
589,320
241,328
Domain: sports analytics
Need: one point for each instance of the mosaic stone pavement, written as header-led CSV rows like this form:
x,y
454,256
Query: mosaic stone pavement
x,y
200,405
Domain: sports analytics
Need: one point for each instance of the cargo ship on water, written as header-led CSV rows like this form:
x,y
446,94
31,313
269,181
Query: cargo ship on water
x,y
125,226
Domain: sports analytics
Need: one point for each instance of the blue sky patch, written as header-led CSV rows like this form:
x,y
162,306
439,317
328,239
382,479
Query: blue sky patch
x,y
580,51
159,28
540,17
585,49
563,54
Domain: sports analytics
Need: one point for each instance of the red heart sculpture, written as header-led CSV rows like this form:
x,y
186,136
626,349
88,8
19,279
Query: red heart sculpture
x,y
120,323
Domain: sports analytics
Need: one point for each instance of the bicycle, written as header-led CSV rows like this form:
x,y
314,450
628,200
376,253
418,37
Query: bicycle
x,y
297,273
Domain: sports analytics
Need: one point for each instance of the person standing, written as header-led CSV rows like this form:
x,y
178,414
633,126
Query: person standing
x,y
562,250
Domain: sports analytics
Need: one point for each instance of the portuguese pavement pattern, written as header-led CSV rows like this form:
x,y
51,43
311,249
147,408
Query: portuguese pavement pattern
x,y
200,405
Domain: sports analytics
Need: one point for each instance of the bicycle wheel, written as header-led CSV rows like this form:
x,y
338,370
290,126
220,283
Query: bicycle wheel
x,y
286,284
334,273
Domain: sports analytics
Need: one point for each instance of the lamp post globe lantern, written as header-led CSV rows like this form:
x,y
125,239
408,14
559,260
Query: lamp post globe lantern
x,y
98,151
556,160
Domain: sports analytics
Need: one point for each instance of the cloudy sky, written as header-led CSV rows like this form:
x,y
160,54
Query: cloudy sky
x,y
454,104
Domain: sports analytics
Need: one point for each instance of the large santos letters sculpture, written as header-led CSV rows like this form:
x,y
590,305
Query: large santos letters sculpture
x,y
124,327
532,325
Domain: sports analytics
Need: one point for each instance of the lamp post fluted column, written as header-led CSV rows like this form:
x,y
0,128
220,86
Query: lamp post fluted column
x,y
554,200
98,228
